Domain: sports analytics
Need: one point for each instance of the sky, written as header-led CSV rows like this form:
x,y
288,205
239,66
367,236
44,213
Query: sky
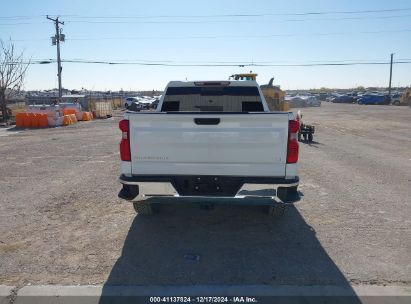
x,y
233,32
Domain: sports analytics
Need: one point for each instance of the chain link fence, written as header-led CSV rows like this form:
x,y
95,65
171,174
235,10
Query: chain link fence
x,y
102,105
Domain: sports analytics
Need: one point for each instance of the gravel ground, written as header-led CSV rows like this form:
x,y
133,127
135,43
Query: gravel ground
x,y
62,223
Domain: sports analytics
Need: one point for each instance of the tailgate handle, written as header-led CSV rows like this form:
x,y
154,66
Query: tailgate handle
x,y
207,121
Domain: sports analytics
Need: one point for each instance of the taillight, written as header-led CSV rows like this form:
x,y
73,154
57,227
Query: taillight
x,y
292,146
125,154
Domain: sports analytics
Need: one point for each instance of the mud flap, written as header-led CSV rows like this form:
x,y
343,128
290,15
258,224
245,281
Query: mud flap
x,y
128,192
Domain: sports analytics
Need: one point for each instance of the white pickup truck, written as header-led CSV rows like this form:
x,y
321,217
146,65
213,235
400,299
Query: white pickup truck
x,y
211,141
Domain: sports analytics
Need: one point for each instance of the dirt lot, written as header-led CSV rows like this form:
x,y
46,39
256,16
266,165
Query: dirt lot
x,y
62,223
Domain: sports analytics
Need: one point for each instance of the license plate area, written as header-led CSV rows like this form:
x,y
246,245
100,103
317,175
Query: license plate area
x,y
207,185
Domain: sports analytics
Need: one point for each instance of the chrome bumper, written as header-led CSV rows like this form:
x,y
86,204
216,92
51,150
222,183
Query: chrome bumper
x,y
148,189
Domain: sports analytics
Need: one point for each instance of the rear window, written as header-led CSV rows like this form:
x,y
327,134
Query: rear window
x,y
209,91
212,99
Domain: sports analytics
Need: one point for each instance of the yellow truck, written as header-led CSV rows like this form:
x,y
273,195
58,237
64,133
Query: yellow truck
x,y
244,76
402,100
406,98
274,96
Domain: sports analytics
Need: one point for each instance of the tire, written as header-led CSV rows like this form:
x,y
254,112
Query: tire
x,y
143,208
276,211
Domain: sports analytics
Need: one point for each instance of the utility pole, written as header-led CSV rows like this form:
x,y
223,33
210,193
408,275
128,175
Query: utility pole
x,y
389,87
56,41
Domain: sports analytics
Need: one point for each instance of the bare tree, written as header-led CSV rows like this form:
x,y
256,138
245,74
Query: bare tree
x,y
12,71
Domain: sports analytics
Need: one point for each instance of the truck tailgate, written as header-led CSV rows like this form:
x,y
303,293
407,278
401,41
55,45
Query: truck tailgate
x,y
249,144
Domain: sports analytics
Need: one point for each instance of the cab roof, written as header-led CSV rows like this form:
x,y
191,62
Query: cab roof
x,y
211,83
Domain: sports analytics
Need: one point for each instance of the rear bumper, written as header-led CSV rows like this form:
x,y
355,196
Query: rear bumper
x,y
145,186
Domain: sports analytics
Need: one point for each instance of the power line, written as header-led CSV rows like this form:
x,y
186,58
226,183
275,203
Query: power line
x,y
285,35
334,64
232,62
211,21
239,36
21,23
368,11
33,16
236,21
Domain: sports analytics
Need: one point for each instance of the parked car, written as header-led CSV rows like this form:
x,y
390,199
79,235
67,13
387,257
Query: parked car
x,y
373,100
396,99
330,97
354,96
343,99
154,104
296,102
322,96
145,102
216,141
313,101
404,99
132,103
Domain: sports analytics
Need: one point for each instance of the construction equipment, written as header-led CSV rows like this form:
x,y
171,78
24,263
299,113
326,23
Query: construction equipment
x,y
402,100
275,97
405,98
244,76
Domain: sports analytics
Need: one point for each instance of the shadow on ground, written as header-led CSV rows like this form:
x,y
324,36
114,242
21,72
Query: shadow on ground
x,y
229,245
14,129
312,143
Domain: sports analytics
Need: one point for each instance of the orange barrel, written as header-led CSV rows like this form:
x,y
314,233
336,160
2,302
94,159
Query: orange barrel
x,y
73,118
20,120
33,120
43,121
69,111
38,117
86,116
26,120
79,115
66,120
